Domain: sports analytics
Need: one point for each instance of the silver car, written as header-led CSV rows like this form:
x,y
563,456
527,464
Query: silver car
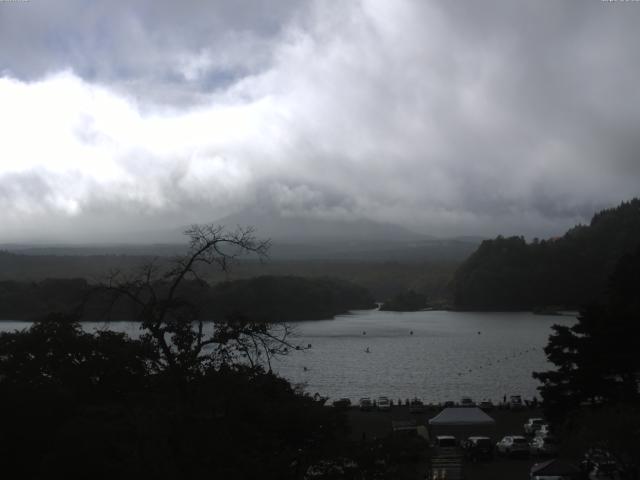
x,y
513,445
547,445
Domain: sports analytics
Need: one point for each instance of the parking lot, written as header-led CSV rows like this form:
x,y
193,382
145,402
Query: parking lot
x,y
374,424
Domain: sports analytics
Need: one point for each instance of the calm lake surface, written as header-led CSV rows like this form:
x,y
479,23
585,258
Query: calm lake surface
x,y
449,354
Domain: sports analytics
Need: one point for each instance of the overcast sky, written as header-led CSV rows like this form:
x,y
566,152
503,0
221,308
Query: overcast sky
x,y
125,119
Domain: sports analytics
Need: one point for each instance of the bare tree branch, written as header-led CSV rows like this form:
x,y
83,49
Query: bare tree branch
x,y
174,325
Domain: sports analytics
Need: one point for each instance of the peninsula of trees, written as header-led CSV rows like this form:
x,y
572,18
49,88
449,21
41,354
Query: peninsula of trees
x,y
409,301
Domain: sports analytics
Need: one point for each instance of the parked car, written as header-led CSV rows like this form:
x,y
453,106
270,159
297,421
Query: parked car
x,y
547,445
467,402
343,403
446,444
384,404
478,448
416,406
513,445
486,405
533,425
515,402
365,404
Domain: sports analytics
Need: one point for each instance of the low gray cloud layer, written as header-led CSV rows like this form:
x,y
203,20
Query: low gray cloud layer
x,y
446,117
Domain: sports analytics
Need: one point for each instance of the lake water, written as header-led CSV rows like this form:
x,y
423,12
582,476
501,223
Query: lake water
x,y
449,354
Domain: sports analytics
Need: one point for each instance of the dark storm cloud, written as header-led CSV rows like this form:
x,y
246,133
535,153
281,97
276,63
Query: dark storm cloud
x,y
154,49
447,117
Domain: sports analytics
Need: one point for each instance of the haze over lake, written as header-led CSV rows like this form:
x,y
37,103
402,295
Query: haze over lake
x,y
449,355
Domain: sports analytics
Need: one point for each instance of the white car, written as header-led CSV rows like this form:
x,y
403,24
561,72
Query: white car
x,y
548,445
513,445
533,425
384,404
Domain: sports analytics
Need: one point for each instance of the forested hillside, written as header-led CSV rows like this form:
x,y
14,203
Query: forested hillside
x,y
260,299
571,271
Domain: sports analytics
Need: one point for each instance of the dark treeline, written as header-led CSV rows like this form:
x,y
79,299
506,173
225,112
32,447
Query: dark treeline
x,y
383,277
409,301
571,271
270,298
593,394
263,299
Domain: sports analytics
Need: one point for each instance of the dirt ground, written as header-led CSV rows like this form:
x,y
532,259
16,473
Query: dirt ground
x,y
375,424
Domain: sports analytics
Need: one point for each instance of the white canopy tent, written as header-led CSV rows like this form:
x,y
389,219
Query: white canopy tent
x,y
462,422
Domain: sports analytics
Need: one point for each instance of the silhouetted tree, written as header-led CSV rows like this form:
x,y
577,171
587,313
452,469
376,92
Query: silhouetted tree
x,y
186,400
173,323
597,358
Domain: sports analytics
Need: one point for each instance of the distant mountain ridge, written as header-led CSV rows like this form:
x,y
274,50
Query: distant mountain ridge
x,y
271,223
570,271
295,238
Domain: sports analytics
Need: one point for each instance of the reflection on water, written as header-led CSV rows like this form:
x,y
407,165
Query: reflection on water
x,y
435,356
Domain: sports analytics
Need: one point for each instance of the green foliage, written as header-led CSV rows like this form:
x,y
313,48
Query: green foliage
x,y
510,274
593,394
55,354
597,359
81,405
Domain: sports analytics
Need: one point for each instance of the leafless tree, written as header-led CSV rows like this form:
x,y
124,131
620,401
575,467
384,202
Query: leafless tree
x,y
184,343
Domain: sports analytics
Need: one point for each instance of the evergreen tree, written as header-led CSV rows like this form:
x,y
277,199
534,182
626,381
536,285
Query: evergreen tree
x,y
597,359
